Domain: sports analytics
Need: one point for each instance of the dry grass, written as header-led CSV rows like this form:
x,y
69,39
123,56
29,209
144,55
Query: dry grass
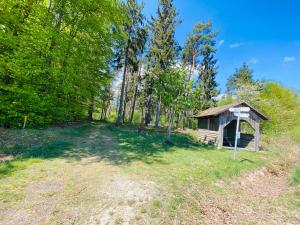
x,y
263,196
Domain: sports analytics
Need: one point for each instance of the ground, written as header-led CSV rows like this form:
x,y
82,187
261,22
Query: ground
x,y
98,174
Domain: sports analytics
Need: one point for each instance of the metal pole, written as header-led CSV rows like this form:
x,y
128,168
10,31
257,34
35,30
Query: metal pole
x,y
236,136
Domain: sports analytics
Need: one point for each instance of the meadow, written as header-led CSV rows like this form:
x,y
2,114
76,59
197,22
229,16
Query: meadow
x,y
96,173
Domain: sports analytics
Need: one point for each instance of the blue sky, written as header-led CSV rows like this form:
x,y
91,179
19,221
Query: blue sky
x,y
263,33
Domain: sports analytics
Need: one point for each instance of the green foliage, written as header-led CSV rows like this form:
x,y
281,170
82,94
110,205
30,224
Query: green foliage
x,y
296,176
208,68
242,76
199,53
52,61
281,105
162,53
163,45
226,100
132,49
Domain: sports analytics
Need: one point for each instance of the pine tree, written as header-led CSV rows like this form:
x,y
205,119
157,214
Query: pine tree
x,y
162,51
134,44
190,59
243,75
208,68
193,47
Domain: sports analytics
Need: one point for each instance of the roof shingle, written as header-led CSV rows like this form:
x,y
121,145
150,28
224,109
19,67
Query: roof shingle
x,y
220,109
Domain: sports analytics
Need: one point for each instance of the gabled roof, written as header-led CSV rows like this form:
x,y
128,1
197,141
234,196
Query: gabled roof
x,y
218,110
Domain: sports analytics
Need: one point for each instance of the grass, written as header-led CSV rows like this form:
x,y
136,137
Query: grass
x,y
81,157
296,176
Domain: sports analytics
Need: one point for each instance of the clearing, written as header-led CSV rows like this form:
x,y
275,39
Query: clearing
x,y
98,174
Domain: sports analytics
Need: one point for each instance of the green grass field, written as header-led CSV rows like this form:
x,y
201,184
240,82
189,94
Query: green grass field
x,y
120,176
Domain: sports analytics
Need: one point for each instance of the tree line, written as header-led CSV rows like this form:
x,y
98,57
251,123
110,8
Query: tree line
x,y
59,59
161,78
56,57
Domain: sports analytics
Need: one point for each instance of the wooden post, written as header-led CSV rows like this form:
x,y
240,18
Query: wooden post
x,y
221,132
25,121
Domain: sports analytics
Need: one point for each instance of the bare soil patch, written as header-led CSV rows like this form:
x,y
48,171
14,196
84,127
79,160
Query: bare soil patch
x,y
124,200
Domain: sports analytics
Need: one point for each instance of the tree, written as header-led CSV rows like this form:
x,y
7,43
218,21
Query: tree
x,y
193,50
208,68
173,95
162,51
243,75
136,83
193,47
52,59
282,106
134,44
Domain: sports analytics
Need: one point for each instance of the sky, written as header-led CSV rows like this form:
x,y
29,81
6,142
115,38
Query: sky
x,y
265,34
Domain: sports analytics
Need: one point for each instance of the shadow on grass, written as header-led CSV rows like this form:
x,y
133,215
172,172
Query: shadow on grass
x,y
105,142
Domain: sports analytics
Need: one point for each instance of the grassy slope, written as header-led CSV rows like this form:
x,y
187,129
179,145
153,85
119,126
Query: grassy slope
x,y
88,151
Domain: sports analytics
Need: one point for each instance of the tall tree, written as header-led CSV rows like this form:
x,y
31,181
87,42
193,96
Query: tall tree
x,y
134,44
191,57
173,95
162,50
208,68
52,58
193,47
243,75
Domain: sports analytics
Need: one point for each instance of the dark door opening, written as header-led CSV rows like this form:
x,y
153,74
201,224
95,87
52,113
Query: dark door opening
x,y
247,135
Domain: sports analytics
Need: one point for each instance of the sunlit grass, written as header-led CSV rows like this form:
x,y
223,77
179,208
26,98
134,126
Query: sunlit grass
x,y
147,156
296,176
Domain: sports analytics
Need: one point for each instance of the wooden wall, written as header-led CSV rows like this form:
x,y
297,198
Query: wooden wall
x,y
208,136
211,130
209,123
226,117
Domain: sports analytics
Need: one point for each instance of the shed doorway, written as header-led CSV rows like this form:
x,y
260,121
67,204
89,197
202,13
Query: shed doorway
x,y
247,138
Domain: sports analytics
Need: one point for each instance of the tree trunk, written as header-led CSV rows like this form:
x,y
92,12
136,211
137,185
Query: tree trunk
x,y
121,104
170,124
125,97
91,110
183,119
135,94
49,6
101,115
190,120
187,114
177,120
148,111
104,111
158,112
133,104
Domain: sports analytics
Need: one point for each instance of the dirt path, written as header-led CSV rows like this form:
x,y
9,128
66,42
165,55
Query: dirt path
x,y
252,198
124,202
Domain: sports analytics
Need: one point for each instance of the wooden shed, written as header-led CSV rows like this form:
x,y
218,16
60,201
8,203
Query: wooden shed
x,y
217,126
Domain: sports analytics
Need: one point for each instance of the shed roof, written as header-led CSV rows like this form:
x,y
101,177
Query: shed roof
x,y
218,110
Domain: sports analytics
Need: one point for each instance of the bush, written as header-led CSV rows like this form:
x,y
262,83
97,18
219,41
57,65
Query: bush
x,y
282,106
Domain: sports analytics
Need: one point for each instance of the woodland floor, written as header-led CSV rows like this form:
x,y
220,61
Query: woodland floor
x,y
99,174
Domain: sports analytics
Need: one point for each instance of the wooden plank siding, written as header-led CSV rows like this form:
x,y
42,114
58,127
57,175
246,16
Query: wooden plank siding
x,y
211,130
208,136
226,117
212,123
